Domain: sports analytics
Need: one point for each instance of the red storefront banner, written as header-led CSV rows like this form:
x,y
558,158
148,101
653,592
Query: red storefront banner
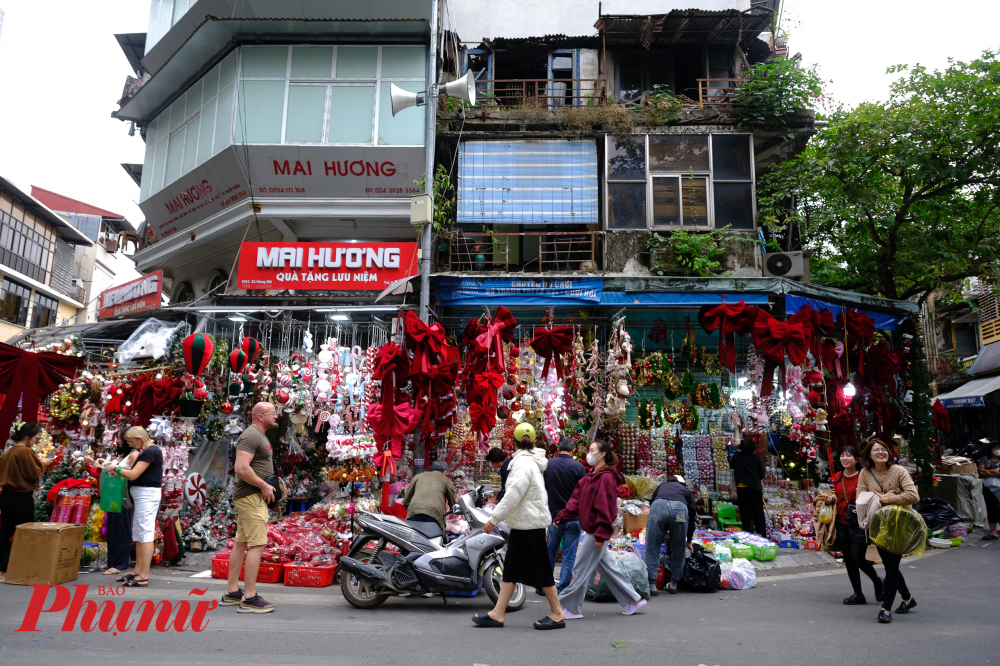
x,y
325,266
135,296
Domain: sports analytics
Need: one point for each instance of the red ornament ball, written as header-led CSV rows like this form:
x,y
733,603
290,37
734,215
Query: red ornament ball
x,y
226,408
516,405
515,351
522,388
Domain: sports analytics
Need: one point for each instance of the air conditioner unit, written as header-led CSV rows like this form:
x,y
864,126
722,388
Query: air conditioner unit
x,y
78,282
784,264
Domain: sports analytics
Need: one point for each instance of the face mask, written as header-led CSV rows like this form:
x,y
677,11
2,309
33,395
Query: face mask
x,y
592,459
996,452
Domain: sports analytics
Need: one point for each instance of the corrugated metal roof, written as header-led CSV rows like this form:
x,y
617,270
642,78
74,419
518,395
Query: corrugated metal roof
x,y
685,26
527,182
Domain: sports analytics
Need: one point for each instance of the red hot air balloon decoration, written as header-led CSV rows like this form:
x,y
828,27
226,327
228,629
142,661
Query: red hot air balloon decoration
x,y
251,347
198,349
238,361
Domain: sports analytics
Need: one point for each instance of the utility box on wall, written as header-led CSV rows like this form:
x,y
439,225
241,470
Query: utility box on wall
x,y
421,209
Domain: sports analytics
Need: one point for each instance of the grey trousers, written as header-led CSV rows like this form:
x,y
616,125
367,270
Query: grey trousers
x,y
588,561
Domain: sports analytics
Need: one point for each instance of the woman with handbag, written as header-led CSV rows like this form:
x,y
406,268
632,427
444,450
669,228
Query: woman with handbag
x,y
852,540
893,485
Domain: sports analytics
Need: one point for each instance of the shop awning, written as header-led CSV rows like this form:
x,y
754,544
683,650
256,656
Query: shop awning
x,y
678,298
544,291
884,322
971,394
988,359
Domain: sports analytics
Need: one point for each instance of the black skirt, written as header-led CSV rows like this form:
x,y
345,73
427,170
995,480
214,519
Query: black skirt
x,y
527,560
851,534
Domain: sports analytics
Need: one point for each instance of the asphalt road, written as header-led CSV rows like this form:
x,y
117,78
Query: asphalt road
x,y
793,616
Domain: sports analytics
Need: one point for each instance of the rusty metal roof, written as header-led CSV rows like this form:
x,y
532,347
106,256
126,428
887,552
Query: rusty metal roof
x,y
686,26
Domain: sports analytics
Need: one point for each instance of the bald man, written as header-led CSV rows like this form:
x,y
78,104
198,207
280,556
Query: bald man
x,y
251,495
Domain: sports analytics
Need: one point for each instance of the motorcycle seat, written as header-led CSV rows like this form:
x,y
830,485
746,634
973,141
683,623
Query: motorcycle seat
x,y
429,530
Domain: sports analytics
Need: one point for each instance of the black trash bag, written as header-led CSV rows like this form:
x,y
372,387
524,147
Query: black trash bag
x,y
702,572
937,513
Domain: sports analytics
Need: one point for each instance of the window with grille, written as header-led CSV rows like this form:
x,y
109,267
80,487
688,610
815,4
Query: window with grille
x,y
989,319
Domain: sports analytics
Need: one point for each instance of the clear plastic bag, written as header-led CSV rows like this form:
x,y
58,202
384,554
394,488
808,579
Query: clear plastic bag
x,y
632,568
899,530
742,576
152,339
827,513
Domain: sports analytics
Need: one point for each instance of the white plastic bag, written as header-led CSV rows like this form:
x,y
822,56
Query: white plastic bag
x,y
152,339
743,575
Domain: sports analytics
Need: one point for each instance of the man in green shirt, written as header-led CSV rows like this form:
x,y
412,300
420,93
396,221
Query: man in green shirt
x,y
429,495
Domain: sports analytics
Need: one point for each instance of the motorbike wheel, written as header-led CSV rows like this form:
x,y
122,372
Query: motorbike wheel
x,y
358,593
493,577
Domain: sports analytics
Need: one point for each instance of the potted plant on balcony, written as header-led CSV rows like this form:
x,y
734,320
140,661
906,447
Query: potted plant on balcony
x,y
480,257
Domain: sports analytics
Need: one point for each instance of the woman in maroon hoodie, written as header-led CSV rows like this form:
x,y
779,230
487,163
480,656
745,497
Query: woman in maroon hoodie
x,y
595,504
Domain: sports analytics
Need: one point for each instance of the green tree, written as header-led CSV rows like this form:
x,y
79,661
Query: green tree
x,y
902,197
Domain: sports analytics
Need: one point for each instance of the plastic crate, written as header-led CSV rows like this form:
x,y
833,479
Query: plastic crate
x,y
740,550
299,576
220,567
268,573
765,553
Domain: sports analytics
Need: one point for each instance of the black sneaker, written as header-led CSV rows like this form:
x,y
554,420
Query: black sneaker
x,y
232,598
855,600
884,616
255,604
905,608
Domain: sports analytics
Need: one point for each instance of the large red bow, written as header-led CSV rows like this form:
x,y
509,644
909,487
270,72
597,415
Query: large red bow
x,y
26,377
775,339
940,418
729,319
882,366
155,397
390,426
860,332
831,353
822,324
434,389
498,331
425,341
392,365
551,344
485,388
484,417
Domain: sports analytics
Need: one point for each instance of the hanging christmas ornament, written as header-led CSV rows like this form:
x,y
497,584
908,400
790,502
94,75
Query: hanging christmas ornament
x,y
198,349
195,489
507,392
251,347
226,408
522,388
282,396
235,388
238,361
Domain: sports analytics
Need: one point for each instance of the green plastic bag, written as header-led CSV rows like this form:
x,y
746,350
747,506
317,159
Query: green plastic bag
x,y
899,530
113,489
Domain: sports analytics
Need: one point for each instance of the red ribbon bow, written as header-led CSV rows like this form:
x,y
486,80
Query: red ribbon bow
x,y
551,344
26,377
940,418
484,417
775,339
390,426
882,366
729,319
498,331
860,332
822,324
392,365
425,341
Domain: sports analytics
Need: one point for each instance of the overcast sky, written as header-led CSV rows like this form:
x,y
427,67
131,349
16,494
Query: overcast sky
x,y
62,72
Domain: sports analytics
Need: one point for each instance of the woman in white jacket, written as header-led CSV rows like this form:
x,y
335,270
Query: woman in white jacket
x,y
525,507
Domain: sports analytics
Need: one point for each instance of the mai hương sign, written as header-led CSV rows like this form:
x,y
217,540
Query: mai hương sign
x,y
135,296
325,266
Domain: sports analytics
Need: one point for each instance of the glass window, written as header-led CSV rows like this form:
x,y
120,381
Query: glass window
x,y
351,114
666,201
405,128
626,205
356,62
191,145
207,131
194,98
224,120
147,173
306,105
177,113
626,158
629,76
265,61
678,152
694,200
403,62
731,156
227,70
14,300
212,82
46,311
734,205
312,62
175,155
258,118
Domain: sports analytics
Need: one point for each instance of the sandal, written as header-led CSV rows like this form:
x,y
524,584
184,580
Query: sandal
x,y
548,623
135,582
486,621
126,578
111,572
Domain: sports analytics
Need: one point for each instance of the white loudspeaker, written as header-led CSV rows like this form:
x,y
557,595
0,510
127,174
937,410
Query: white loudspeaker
x,y
402,99
463,88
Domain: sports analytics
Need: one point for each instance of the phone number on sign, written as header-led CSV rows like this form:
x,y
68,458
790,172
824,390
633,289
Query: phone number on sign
x,y
392,190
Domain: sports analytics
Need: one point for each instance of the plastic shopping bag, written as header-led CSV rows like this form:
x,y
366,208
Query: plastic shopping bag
x,y
827,513
632,568
899,530
702,571
742,575
112,492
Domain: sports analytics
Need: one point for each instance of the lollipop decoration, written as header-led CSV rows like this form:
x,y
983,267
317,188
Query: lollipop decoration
x,y
195,489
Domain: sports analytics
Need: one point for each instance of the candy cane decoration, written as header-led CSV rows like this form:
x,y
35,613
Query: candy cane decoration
x,y
355,357
324,417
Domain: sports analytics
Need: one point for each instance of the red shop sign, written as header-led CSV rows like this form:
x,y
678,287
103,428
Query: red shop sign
x,y
325,266
135,296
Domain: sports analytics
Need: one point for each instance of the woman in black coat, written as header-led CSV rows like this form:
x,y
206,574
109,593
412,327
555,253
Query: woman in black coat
x,y
748,472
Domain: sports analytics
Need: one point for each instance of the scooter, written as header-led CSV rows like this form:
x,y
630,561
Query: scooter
x,y
400,558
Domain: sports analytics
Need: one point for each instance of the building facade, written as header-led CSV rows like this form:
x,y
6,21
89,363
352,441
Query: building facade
x,y
37,249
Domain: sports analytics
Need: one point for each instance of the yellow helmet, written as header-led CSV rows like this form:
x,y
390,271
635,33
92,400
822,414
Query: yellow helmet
x,y
524,429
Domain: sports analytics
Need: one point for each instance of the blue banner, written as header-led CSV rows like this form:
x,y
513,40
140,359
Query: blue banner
x,y
518,291
884,322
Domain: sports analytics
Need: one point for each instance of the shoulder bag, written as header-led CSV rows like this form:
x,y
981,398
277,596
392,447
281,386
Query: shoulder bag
x,y
852,508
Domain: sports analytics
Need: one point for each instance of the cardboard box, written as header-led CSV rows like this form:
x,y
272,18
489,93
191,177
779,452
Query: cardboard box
x,y
958,468
45,553
630,522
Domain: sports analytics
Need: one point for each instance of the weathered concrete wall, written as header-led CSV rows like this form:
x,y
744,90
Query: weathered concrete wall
x,y
626,254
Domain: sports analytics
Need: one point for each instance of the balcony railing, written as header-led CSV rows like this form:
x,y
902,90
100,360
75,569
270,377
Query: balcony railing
x,y
717,92
557,251
547,93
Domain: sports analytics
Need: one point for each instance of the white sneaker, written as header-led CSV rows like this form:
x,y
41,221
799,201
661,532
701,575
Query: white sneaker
x,y
632,608
571,616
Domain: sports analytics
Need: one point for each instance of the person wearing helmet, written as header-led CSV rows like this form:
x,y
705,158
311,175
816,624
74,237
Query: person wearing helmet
x,y
525,508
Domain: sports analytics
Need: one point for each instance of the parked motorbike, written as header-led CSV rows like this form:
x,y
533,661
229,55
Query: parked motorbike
x,y
426,561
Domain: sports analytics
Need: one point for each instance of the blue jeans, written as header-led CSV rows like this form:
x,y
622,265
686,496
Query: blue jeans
x,y
567,533
666,517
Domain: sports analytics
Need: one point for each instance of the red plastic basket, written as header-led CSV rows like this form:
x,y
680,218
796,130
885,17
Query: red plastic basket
x,y
268,573
309,576
220,567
